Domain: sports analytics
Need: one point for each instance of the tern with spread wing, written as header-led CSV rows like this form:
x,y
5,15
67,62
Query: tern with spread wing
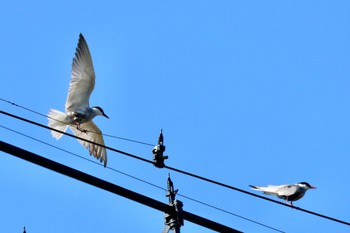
x,y
288,192
79,115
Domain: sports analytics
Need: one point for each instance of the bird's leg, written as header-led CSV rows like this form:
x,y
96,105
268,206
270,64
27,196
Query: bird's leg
x,y
290,203
80,129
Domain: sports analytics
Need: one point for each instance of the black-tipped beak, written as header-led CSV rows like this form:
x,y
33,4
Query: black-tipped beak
x,y
105,115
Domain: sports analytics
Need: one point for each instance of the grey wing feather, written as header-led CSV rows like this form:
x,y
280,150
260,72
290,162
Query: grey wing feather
x,y
94,134
82,78
270,189
287,190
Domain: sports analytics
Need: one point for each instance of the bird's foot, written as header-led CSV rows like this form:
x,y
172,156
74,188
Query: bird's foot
x,y
80,129
290,204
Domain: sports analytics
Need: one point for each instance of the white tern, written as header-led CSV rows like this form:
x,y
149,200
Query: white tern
x,y
78,116
288,192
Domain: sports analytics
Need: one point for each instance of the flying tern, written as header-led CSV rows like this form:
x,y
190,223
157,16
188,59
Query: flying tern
x,y
288,192
78,116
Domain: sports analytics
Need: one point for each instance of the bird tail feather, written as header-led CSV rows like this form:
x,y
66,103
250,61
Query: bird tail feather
x,y
254,187
264,189
59,121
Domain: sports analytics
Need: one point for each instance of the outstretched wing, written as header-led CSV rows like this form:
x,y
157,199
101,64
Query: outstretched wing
x,y
93,134
82,78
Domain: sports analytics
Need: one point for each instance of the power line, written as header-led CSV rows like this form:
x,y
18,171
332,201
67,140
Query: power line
x,y
141,180
228,212
106,135
94,181
127,139
183,172
73,136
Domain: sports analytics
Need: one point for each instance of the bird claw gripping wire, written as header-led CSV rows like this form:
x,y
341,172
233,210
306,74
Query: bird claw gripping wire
x,y
82,130
158,150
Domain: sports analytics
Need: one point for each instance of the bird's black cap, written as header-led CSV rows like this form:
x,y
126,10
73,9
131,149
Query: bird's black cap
x,y
101,110
305,183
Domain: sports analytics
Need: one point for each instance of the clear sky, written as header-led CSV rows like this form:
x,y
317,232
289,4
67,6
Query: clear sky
x,y
247,92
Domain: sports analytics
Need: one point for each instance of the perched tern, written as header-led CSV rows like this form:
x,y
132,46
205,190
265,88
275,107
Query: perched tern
x,y
79,115
288,192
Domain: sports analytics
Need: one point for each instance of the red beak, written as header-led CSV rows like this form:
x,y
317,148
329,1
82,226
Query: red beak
x,y
312,187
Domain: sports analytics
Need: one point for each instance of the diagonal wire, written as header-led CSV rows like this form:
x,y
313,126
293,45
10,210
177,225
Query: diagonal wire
x,y
139,179
79,156
181,171
73,136
228,212
106,135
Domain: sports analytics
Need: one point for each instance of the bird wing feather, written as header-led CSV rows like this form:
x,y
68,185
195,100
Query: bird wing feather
x,y
82,78
286,190
93,134
276,189
270,189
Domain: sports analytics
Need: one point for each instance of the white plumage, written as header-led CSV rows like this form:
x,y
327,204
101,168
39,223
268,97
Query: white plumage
x,y
79,115
288,192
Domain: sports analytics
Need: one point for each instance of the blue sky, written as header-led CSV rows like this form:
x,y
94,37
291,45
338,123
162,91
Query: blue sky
x,y
247,92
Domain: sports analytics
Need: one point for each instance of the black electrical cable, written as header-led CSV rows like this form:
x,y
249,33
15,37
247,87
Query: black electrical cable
x,y
183,172
73,136
106,135
79,156
113,188
139,179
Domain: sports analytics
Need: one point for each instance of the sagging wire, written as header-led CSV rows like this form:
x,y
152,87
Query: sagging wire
x,y
139,179
182,172
44,115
